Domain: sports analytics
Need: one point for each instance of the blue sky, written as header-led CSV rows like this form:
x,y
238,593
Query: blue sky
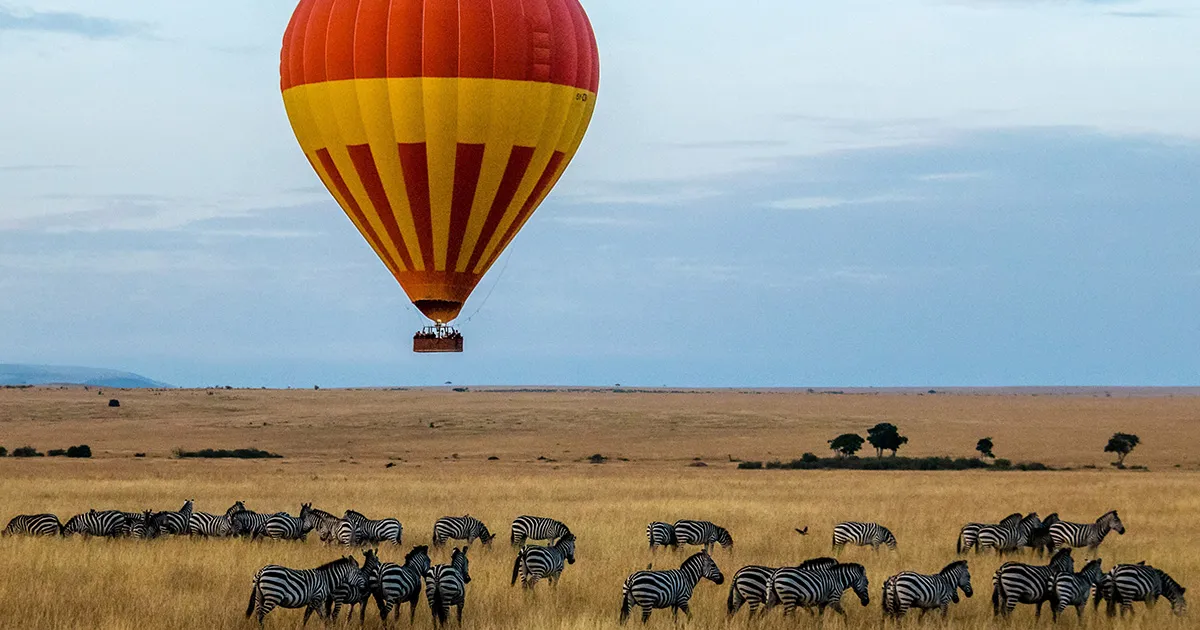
x,y
858,193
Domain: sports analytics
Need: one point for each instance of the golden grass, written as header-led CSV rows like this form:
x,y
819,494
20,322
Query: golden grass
x,y
183,583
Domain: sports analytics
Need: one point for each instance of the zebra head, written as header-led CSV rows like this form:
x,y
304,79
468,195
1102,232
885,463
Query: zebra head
x,y
237,506
1110,522
1174,592
458,560
855,576
371,565
74,526
701,565
485,536
566,546
1050,520
960,576
418,559
1012,520
351,515
724,538
886,537
1062,561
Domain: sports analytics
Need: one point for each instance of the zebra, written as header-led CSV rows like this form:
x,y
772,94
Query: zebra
x,y
311,589
1010,537
1039,538
704,533
667,589
465,528
536,528
353,588
749,584
1090,535
172,523
862,534
137,524
340,530
393,584
92,523
534,562
1129,583
376,531
247,522
821,587
1018,583
661,535
213,525
283,526
907,590
1073,589
446,586
34,525
968,536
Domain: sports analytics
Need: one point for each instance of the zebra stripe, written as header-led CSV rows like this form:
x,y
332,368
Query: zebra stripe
x,y
312,589
250,523
34,525
821,587
106,523
749,585
136,525
667,589
465,528
376,531
1008,537
446,586
534,563
1039,538
1073,589
968,536
536,528
393,585
862,534
1129,583
170,523
1090,535
352,587
284,526
661,535
704,533
1018,583
210,525
907,590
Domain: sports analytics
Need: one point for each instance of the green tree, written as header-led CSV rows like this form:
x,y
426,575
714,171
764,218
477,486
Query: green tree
x,y
984,447
885,437
1122,444
847,444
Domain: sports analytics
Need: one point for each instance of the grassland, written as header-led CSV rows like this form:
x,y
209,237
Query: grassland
x,y
338,443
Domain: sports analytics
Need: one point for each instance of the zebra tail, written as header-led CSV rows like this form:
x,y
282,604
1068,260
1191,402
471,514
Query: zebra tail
x,y
441,612
958,543
253,599
732,594
626,603
516,567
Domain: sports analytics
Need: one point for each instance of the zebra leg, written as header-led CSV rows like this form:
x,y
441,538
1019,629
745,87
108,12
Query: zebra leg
x,y
687,610
945,610
922,615
1038,613
837,608
458,612
646,613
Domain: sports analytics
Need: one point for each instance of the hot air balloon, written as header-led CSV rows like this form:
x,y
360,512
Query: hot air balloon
x,y
439,126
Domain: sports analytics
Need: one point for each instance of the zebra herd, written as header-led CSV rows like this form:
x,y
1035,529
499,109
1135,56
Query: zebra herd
x,y
815,584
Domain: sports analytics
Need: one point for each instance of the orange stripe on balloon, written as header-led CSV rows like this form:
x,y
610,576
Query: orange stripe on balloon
x,y
371,40
352,206
514,173
535,198
415,164
368,174
467,164
405,26
316,35
439,40
339,40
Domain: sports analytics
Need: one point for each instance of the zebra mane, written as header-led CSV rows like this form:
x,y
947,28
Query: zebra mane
x,y
953,566
1112,513
350,513
420,549
1063,555
1171,588
1011,519
319,513
694,557
819,563
339,562
1050,520
1032,517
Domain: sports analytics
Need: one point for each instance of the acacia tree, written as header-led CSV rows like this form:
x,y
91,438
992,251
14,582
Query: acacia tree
x,y
846,444
885,437
984,447
1122,444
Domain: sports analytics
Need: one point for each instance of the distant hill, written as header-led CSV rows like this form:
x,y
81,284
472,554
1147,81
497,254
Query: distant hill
x,y
12,374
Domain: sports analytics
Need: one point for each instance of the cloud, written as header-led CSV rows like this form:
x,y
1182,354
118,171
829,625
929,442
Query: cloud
x,y
1143,14
68,23
821,203
951,176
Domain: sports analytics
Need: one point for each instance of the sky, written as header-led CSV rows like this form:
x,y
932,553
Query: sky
x,y
779,193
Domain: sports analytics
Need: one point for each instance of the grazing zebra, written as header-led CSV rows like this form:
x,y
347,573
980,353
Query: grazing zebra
x,y
465,528
749,584
862,534
1039,538
536,528
393,584
312,589
821,587
283,526
534,562
376,530
968,536
446,586
34,525
661,535
1073,589
1007,538
1090,535
1129,583
137,524
172,523
688,532
1018,583
667,589
907,590
107,523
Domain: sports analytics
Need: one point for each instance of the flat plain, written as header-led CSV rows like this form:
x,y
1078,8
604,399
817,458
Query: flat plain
x,y
338,444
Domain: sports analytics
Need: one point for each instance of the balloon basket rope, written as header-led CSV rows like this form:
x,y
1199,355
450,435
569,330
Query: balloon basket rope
x,y
435,339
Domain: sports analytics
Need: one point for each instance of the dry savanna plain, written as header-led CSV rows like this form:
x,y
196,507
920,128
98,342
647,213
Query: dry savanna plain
x,y
421,454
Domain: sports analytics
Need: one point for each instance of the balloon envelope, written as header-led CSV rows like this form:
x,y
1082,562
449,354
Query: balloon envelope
x,y
439,125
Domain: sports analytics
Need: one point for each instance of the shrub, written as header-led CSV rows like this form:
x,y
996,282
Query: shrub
x,y
750,465
82,451
812,462
241,453
3,452
114,403
139,454
1002,463
56,452
597,459
26,451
